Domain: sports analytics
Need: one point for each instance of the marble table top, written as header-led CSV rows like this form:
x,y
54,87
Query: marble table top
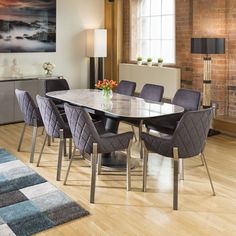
x,y
118,106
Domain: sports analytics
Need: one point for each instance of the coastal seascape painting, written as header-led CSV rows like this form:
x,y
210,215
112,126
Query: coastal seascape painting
x,y
27,26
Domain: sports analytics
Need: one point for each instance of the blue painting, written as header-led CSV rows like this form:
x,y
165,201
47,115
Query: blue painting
x,y
27,26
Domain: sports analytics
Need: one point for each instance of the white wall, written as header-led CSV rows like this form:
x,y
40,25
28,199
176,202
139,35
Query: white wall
x,y
73,17
168,77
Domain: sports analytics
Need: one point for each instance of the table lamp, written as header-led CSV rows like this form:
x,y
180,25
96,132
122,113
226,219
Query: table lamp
x,y
207,46
96,48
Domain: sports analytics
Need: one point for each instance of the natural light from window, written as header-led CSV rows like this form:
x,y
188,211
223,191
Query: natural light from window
x,y
156,30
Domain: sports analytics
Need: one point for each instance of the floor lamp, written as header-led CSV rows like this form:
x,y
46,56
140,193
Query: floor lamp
x,y
96,49
207,46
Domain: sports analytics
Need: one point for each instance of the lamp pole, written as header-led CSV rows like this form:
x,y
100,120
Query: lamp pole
x,y
206,99
96,51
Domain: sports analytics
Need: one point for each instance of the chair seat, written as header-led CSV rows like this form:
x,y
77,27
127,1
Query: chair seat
x,y
161,145
111,142
165,124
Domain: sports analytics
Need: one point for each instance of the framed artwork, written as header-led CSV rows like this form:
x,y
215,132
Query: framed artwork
x,y
27,26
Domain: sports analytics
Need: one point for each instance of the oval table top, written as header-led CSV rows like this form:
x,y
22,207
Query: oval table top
x,y
119,105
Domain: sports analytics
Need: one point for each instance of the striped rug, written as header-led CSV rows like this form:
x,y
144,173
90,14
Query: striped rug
x,y
28,203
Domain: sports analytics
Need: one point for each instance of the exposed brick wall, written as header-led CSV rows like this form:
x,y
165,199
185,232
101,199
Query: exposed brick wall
x,y
183,35
208,18
231,28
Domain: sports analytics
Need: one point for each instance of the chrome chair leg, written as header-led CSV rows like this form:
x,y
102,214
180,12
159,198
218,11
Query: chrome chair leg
x,y
128,167
68,170
181,168
21,138
99,163
59,162
175,182
145,161
140,128
49,141
208,173
65,148
41,152
135,137
141,150
70,148
34,136
202,159
94,157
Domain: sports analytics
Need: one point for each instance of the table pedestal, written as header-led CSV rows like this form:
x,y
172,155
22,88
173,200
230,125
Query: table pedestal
x,y
117,160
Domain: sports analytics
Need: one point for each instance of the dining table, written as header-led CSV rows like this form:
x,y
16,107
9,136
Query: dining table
x,y
113,110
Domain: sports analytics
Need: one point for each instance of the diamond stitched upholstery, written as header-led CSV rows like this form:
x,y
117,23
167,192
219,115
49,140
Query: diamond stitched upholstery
x,y
126,88
56,85
188,99
52,119
28,108
152,92
189,136
85,134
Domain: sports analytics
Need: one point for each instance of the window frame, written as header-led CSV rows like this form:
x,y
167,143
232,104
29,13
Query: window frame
x,y
150,39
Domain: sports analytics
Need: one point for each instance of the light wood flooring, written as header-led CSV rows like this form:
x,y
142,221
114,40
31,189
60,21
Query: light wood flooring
x,y
117,212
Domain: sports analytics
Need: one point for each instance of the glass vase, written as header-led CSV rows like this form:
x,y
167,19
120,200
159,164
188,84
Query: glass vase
x,y
107,94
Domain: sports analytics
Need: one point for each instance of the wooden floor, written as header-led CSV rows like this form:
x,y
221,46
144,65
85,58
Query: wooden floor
x,y
118,212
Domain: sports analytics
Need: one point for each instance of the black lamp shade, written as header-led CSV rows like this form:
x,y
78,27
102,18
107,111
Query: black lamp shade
x,y
208,45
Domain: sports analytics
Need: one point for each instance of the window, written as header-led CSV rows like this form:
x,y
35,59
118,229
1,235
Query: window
x,y
156,29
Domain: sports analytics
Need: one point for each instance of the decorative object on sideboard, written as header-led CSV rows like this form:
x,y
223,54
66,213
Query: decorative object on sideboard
x,y
160,62
106,86
96,48
149,61
28,27
139,61
207,46
48,68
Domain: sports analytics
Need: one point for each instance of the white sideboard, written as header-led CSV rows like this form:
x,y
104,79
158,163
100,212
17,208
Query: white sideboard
x,y
170,78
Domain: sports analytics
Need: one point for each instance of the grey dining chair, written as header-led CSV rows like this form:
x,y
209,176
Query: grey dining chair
x,y
31,116
89,142
188,99
188,140
55,127
126,87
52,85
149,92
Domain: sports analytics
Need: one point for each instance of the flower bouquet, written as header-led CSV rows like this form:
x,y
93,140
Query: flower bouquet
x,y
106,86
48,68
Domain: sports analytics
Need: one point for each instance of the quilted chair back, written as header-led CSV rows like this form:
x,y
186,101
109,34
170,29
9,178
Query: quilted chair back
x,y
188,99
82,128
56,85
152,92
191,132
27,107
51,117
126,88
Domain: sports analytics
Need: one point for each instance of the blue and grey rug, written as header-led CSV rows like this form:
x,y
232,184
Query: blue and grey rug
x,y
28,203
